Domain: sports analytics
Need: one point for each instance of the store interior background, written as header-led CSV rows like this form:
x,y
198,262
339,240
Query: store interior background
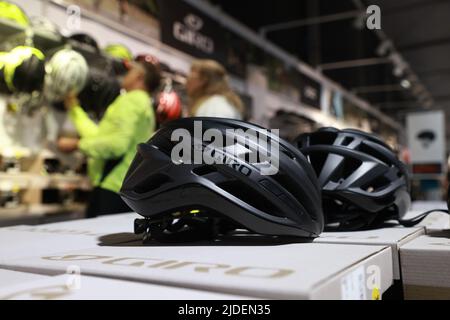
x,y
298,66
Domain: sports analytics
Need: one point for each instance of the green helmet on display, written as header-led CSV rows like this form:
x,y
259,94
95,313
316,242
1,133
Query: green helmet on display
x,y
66,71
118,51
22,69
13,12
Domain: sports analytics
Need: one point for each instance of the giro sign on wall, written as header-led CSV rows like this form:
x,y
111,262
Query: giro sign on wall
x,y
187,29
426,138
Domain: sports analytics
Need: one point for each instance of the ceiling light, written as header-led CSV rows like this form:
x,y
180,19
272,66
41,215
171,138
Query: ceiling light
x,y
405,84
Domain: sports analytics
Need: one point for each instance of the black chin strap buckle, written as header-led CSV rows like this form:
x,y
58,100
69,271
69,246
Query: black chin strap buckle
x,y
148,228
184,229
140,225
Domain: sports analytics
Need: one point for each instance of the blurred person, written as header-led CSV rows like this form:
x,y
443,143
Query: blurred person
x,y
123,10
209,92
111,144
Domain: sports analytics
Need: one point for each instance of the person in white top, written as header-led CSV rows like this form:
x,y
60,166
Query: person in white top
x,y
209,92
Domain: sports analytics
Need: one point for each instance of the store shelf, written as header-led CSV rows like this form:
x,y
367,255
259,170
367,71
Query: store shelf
x,y
38,210
42,41
9,28
59,181
51,42
21,180
47,41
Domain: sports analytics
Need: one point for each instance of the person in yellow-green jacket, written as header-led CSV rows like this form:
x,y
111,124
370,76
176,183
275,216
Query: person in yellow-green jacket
x,y
110,145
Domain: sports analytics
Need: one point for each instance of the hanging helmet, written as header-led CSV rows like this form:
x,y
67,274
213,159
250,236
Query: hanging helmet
x,y
100,91
13,12
118,51
363,182
168,104
85,39
291,124
122,57
175,197
168,107
44,26
153,68
22,69
66,71
147,58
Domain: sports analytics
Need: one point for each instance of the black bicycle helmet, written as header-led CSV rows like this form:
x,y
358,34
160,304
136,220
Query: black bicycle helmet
x,y
29,76
363,182
100,91
85,39
236,193
22,70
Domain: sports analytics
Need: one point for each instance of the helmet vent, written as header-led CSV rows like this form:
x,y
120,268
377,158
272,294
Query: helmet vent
x,y
325,138
288,184
379,183
153,182
204,170
376,153
317,161
347,141
348,168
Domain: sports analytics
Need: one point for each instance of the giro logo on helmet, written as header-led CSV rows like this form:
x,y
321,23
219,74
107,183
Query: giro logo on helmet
x,y
221,158
236,148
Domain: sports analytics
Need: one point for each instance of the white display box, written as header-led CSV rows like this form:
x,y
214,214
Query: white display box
x,y
394,237
425,264
24,241
101,226
289,271
435,221
82,287
428,205
10,278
